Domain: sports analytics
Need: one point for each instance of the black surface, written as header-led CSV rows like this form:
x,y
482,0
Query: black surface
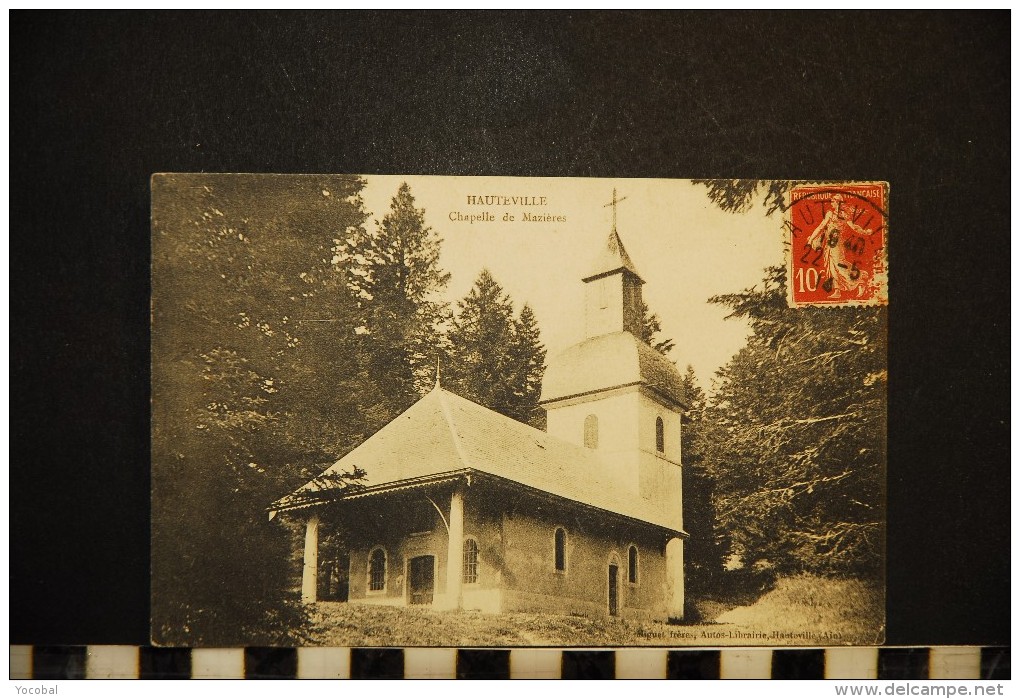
x,y
692,665
270,663
903,663
483,664
58,662
798,664
995,664
164,663
377,664
100,101
588,665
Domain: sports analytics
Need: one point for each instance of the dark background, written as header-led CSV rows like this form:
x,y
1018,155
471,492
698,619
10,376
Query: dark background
x,y
100,101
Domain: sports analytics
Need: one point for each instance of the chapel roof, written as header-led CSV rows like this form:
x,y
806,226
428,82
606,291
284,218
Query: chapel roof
x,y
612,257
445,434
610,361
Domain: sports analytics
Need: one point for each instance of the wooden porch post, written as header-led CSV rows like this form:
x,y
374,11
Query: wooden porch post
x,y
455,552
310,572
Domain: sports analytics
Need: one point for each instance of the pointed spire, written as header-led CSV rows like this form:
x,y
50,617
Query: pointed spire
x,y
612,258
437,371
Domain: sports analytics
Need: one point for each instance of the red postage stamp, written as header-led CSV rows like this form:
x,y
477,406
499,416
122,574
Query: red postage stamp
x,y
837,252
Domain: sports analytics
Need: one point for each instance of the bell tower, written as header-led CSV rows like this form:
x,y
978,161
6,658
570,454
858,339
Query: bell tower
x,y
612,295
617,396
612,292
613,393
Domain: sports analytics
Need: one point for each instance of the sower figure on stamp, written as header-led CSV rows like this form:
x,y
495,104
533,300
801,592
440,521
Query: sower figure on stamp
x,y
833,240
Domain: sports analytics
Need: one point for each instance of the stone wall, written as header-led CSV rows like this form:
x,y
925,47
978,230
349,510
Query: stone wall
x,y
401,545
591,544
516,552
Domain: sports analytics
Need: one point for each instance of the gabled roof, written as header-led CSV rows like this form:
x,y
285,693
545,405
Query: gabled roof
x,y
445,434
612,258
611,361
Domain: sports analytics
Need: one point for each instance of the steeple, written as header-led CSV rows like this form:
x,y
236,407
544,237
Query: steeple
x,y
612,258
613,291
613,393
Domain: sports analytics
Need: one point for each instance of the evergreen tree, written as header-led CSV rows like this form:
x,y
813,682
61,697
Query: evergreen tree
x,y
253,342
703,555
738,196
495,359
795,435
394,273
529,353
651,329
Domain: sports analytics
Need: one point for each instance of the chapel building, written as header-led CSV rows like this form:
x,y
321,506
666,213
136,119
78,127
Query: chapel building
x,y
465,508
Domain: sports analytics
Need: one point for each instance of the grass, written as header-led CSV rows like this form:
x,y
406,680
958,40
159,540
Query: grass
x,y
800,610
846,606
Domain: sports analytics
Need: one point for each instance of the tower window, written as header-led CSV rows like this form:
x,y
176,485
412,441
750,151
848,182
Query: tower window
x,y
591,432
632,564
561,549
660,436
470,561
377,570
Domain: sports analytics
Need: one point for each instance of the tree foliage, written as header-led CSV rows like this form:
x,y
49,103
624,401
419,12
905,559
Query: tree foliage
x,y
495,359
529,369
702,551
737,196
794,435
253,345
393,271
651,331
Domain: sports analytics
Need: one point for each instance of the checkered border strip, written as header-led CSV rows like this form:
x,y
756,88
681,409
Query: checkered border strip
x,y
133,662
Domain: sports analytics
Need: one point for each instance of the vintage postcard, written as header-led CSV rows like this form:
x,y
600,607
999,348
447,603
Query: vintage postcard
x,y
505,412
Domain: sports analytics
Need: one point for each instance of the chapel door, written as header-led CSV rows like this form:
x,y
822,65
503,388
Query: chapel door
x,y
613,577
421,579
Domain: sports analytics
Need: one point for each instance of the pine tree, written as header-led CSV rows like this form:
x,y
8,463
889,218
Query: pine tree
x,y
495,359
703,556
394,273
795,435
738,196
481,367
529,353
253,342
651,329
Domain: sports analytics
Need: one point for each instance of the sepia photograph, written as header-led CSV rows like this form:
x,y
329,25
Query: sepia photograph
x,y
409,410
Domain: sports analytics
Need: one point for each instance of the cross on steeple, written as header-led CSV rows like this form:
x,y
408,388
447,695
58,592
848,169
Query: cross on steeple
x,y
613,204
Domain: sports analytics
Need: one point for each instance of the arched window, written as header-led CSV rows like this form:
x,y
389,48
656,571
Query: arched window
x,y
632,564
470,561
660,436
591,432
561,549
377,569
